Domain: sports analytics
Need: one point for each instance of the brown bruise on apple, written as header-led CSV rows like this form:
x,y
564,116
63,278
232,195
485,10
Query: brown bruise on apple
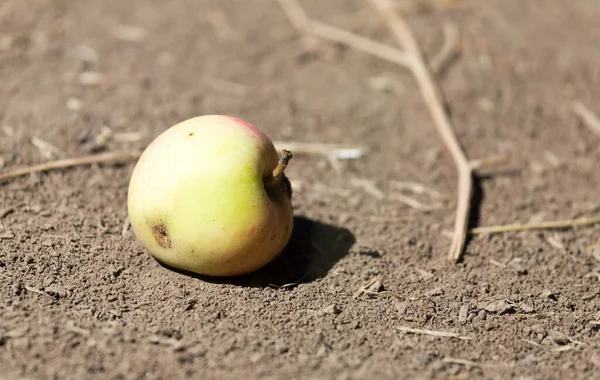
x,y
161,235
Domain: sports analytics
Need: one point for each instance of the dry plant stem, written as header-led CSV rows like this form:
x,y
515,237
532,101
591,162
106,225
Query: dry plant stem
x,y
489,161
588,117
295,13
435,101
441,334
7,235
418,189
304,25
449,49
125,227
306,148
468,363
432,94
34,290
317,148
536,226
46,149
72,162
6,211
357,42
413,203
284,159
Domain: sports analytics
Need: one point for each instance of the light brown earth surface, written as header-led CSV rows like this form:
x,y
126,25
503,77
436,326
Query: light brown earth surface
x,y
78,300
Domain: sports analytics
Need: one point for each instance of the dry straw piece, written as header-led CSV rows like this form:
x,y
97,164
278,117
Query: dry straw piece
x,y
413,59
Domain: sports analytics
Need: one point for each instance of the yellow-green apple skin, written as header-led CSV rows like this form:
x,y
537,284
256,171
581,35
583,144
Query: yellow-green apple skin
x,y
199,198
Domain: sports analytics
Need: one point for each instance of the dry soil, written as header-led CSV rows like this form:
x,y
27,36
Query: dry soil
x,y
81,300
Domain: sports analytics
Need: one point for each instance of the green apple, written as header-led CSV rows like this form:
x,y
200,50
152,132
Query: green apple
x,y
209,196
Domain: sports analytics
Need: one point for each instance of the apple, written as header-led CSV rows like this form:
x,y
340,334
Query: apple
x,y
209,196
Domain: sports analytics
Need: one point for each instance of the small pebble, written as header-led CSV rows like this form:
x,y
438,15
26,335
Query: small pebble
x,y
332,309
74,104
462,314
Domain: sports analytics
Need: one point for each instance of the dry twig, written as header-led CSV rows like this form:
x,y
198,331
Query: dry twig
x,y
337,151
4,212
340,152
592,247
531,342
303,24
417,188
46,149
449,49
410,202
72,162
467,363
34,290
125,228
371,286
441,334
411,58
7,235
489,161
435,101
368,186
588,117
535,226
497,263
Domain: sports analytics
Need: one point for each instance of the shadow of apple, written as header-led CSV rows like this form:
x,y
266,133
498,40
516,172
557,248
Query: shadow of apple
x,y
313,249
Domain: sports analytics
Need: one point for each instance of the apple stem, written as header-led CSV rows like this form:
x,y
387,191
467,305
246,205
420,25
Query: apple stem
x,y
284,159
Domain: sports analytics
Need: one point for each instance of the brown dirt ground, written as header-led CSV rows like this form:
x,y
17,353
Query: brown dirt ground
x,y
79,300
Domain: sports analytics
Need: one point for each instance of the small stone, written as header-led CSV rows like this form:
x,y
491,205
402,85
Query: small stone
x,y
56,290
332,309
47,281
401,307
17,288
539,331
558,337
424,275
322,350
517,265
74,104
91,78
463,314
526,308
548,294
499,307
480,316
434,292
83,136
190,304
